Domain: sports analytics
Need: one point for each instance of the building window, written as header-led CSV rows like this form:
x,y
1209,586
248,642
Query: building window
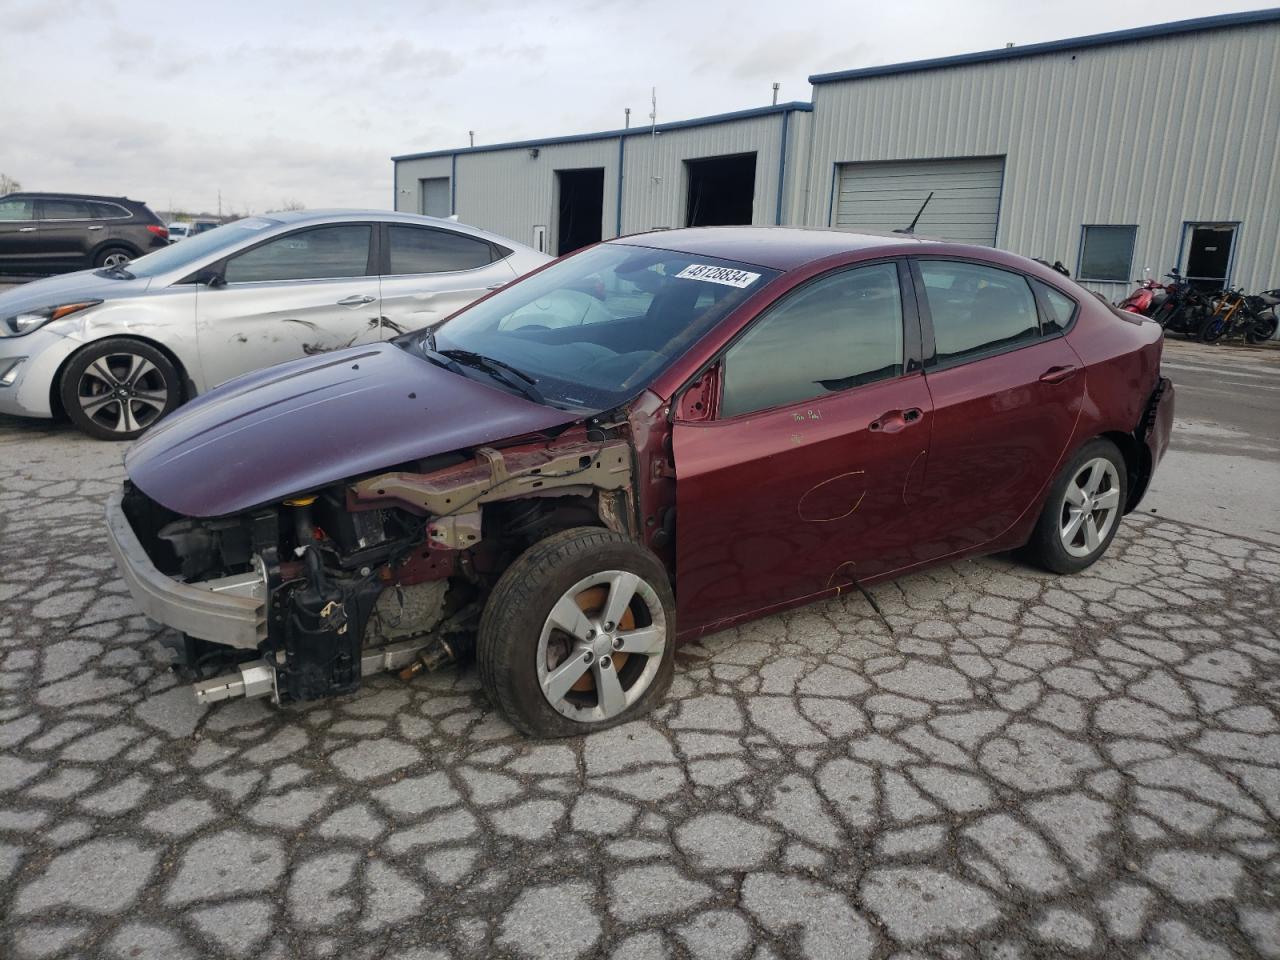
x,y
1106,253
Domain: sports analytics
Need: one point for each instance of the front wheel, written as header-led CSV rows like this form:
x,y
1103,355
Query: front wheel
x,y
1082,512
115,389
578,635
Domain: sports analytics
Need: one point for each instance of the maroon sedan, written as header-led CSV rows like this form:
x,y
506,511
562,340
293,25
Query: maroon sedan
x,y
652,439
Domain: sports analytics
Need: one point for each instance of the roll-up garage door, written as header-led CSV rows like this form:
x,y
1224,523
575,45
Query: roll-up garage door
x,y
886,196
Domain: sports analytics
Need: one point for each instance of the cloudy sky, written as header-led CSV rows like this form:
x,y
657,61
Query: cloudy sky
x,y
305,100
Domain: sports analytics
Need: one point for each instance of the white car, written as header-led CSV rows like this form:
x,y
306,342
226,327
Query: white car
x,y
181,230
117,349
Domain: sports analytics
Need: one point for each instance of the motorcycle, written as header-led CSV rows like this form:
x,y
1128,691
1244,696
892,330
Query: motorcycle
x,y
1143,301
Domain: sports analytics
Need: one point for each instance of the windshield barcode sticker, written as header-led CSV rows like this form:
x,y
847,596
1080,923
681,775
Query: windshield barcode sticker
x,y
725,275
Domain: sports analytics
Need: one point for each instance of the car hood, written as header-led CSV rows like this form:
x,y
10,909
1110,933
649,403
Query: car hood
x,y
308,423
68,288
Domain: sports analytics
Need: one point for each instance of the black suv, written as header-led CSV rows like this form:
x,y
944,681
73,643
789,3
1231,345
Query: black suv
x,y
57,232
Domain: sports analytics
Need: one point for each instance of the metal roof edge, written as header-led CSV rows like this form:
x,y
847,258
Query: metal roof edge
x,y
1175,28
802,106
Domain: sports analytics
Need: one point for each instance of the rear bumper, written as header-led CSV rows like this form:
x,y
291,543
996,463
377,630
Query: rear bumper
x,y
1157,421
205,611
1153,433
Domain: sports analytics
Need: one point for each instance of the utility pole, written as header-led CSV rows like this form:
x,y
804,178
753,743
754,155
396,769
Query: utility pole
x,y
472,135
627,123
776,85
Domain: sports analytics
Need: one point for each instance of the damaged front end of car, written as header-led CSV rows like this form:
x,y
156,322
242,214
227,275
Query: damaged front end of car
x,y
301,598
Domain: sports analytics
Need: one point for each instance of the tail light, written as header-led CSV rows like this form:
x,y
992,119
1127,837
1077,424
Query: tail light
x,y
159,231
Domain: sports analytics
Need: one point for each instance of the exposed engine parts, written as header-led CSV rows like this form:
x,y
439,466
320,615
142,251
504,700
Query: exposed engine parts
x,y
388,572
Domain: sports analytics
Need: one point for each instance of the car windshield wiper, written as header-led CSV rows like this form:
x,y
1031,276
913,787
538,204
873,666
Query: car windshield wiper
x,y
513,377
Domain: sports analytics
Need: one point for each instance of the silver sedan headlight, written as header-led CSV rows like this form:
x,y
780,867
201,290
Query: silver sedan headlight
x,y
17,324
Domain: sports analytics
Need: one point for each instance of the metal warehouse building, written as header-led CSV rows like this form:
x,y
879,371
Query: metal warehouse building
x,y
1144,148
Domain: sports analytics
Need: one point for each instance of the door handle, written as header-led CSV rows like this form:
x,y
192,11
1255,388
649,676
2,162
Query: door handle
x,y
496,286
355,300
99,227
1058,374
896,420
26,229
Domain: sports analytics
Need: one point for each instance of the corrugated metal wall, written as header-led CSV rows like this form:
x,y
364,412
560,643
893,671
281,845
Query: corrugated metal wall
x,y
407,176
510,192
1155,133
656,180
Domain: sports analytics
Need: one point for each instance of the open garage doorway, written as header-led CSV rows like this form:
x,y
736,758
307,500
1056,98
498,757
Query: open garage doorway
x,y
1209,248
580,208
722,190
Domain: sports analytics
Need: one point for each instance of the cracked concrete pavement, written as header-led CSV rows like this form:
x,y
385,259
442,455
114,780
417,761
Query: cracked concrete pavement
x,y
1024,766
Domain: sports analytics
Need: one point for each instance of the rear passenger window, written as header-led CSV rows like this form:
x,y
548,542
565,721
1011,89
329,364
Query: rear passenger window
x,y
1061,308
418,250
976,309
838,332
66,210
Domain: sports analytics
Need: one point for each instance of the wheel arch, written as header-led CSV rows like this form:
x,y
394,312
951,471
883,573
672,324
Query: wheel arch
x,y
110,243
1137,465
55,385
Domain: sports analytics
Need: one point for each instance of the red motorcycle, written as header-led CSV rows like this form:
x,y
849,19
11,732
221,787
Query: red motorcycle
x,y
1149,295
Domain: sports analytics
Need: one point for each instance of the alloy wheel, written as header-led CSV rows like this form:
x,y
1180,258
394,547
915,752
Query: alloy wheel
x,y
1090,507
116,259
123,392
601,646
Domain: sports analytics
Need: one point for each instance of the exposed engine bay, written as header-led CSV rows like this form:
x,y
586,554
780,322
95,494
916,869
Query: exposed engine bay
x,y
387,571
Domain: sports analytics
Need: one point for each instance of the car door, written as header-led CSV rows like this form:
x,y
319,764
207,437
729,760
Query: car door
x,y
307,291
1007,390
67,231
431,272
804,478
18,233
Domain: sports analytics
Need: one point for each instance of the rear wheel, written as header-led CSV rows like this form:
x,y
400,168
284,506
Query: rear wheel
x,y
578,635
112,257
1262,330
115,389
1082,512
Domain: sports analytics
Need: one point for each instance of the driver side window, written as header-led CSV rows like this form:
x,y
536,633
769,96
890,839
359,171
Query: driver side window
x,y
837,332
321,253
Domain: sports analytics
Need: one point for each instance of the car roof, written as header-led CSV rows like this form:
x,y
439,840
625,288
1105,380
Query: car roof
x,y
778,248
39,194
304,217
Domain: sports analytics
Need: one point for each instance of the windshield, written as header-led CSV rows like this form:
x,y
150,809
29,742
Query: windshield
x,y
594,330
199,247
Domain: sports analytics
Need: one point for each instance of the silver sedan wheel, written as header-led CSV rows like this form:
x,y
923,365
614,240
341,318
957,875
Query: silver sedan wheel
x,y
1090,507
123,392
112,260
601,646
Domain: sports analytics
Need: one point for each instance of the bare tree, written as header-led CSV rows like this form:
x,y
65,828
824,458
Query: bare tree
x,y
8,184
291,204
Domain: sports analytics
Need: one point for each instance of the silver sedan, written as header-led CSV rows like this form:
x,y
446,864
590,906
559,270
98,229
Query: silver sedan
x,y
116,349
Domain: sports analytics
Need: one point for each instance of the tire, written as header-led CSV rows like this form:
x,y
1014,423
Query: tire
x,y
1212,330
92,383
1058,547
1261,330
570,578
113,257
